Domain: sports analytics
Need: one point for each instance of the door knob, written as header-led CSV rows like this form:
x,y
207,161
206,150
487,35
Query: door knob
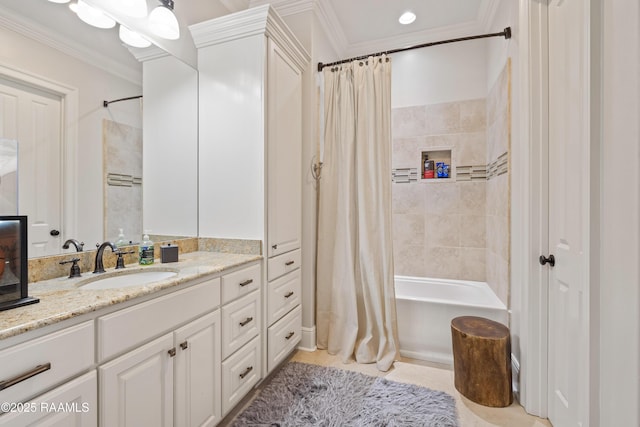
x,y
54,233
551,260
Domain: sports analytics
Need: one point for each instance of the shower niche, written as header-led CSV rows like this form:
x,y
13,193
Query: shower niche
x,y
436,165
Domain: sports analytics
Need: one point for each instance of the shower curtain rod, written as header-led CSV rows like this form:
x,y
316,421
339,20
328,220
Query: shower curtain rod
x,y
506,34
105,104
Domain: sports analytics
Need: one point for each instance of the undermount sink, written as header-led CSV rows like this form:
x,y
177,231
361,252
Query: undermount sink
x,y
128,279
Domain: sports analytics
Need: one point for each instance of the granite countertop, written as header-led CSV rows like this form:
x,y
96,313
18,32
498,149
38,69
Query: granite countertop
x,y
61,299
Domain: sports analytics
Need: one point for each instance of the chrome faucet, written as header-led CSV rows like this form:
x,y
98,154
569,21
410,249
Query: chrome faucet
x,y
99,266
79,245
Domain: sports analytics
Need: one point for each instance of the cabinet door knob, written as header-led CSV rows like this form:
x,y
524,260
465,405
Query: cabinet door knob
x,y
245,321
246,372
274,247
184,345
551,260
172,352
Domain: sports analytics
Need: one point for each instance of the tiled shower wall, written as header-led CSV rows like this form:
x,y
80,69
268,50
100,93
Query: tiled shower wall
x,y
456,229
498,148
440,226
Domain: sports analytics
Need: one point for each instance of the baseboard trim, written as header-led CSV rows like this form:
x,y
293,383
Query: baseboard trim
x,y
308,341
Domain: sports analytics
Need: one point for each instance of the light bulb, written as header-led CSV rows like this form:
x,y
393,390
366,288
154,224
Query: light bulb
x,y
163,23
407,18
133,8
93,16
132,38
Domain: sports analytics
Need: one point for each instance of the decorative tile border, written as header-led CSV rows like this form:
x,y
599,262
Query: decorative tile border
x,y
471,173
120,180
498,167
404,175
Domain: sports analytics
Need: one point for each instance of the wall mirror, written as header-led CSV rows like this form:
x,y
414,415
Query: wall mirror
x,y
67,69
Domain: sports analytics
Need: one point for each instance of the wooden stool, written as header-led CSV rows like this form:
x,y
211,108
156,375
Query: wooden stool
x,y
481,360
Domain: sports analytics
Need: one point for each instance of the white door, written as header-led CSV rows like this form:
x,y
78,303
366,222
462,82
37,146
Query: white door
x,y
137,389
198,398
569,141
32,117
284,147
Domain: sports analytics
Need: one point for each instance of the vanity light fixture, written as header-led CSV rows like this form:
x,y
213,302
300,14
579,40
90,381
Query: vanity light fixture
x,y
93,16
407,18
60,1
132,38
163,23
133,8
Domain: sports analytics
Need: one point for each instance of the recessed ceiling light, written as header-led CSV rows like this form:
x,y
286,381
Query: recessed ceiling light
x,y
407,18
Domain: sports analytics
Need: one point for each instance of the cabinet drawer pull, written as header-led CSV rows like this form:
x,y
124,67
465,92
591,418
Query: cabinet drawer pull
x,y
288,263
246,372
25,376
289,335
184,345
245,321
245,283
288,294
172,352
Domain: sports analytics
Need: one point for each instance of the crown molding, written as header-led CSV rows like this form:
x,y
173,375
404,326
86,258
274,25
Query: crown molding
x,y
322,10
250,22
27,28
148,53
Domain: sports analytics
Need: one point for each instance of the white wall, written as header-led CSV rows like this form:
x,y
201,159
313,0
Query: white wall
x,y
498,51
619,223
94,86
309,32
437,74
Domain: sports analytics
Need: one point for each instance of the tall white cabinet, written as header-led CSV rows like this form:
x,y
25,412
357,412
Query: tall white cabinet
x,y
250,137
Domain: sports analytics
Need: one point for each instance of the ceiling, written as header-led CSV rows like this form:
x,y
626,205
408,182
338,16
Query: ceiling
x,y
355,26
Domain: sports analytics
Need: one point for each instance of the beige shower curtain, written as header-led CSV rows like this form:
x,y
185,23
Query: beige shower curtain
x,y
356,314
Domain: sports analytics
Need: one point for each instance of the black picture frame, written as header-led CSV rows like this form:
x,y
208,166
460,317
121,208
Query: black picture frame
x,y
14,276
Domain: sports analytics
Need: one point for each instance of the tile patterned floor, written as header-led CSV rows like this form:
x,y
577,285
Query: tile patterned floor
x,y
429,375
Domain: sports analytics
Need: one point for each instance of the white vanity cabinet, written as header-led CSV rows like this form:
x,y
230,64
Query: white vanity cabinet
x,y
241,334
29,369
250,106
175,378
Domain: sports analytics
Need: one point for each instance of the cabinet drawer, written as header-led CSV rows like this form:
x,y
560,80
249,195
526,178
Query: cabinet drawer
x,y
283,337
132,326
79,397
240,283
283,295
240,322
46,361
282,264
240,373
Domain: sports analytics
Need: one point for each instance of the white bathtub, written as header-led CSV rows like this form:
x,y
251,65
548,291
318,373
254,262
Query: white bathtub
x,y
426,306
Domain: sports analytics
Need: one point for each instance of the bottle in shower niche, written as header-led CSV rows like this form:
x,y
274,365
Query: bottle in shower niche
x,y
429,171
145,252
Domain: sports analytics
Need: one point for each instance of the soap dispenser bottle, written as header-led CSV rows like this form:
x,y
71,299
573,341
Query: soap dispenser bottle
x,y
146,250
121,240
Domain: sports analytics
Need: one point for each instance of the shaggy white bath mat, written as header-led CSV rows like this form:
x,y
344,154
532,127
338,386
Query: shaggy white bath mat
x,y
308,395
